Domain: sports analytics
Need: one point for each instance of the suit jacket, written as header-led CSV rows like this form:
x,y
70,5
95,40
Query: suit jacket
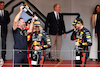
x,y
51,22
4,23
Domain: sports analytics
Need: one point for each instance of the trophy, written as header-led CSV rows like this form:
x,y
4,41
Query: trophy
x,y
28,10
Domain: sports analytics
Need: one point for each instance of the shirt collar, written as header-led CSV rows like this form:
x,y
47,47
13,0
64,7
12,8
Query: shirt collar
x,y
1,10
55,12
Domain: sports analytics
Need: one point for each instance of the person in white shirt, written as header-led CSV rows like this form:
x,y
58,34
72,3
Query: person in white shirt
x,y
56,26
4,21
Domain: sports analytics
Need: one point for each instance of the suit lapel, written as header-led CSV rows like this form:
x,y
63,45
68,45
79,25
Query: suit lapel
x,y
59,16
4,13
54,16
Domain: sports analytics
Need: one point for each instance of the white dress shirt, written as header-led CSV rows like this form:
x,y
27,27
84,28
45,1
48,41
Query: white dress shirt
x,y
1,12
56,14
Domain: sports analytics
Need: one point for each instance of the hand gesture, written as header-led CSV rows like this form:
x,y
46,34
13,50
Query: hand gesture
x,y
37,48
76,43
95,34
35,18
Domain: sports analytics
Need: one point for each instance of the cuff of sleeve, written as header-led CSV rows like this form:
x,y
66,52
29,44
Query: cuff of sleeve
x,y
32,20
41,48
80,44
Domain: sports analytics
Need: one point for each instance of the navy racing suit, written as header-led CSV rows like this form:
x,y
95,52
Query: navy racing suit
x,y
83,37
36,58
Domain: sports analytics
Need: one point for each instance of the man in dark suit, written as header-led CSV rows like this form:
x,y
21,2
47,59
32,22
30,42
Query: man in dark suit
x,y
97,34
56,28
4,20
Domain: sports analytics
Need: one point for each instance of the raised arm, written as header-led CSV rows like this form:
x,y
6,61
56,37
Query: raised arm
x,y
32,25
16,19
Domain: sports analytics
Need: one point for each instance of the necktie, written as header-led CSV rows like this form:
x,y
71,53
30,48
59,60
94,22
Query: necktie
x,y
57,18
57,21
2,14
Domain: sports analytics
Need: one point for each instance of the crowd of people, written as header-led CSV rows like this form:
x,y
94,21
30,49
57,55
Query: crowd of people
x,y
30,40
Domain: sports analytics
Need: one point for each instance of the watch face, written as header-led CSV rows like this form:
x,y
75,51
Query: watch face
x,y
1,62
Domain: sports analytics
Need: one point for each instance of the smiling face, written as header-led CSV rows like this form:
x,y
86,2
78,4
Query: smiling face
x,y
37,25
78,25
21,23
1,6
57,8
37,28
98,8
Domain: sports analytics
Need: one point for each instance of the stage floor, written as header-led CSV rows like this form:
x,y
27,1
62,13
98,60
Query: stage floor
x,y
65,63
